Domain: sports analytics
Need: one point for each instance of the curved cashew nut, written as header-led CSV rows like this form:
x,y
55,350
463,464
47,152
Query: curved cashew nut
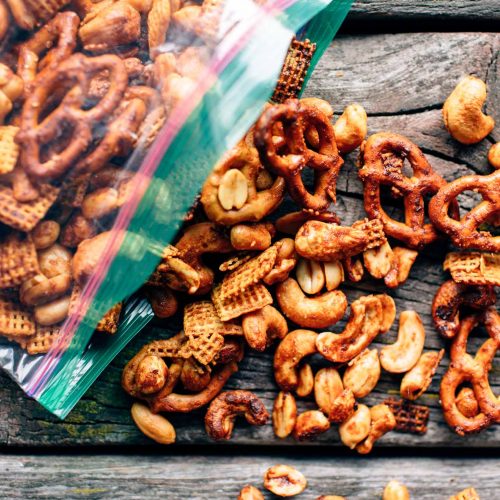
x,y
198,240
309,424
395,491
262,326
356,428
332,399
405,352
306,381
351,128
256,237
382,421
467,403
291,350
310,312
370,316
153,426
285,262
284,414
462,111
419,378
494,155
186,403
220,416
362,373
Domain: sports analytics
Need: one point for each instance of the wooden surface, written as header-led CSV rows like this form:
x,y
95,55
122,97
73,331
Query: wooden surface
x,y
402,81
138,477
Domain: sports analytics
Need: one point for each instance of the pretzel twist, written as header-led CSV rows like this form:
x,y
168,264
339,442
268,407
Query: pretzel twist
x,y
289,156
377,171
74,74
464,232
473,370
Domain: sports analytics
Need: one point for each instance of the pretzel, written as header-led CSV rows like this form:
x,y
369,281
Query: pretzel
x,y
452,296
18,260
473,268
9,150
256,204
69,115
465,368
383,166
57,40
290,158
464,233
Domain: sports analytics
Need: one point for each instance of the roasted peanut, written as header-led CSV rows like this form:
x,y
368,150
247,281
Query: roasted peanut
x,y
310,276
100,203
378,261
42,290
351,128
309,424
356,428
494,155
462,111
153,426
250,493
382,421
332,399
467,403
284,414
310,312
306,381
233,190
45,234
419,378
256,237
291,350
362,373
53,312
261,327
284,481
467,494
395,491
405,352
54,261
151,374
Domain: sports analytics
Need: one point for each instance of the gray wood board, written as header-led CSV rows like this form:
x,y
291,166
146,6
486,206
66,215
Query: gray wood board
x,y
402,80
221,478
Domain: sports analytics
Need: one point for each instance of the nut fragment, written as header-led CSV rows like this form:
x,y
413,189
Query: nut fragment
x,y
284,414
306,381
402,262
309,424
382,422
362,373
284,481
494,155
379,261
462,111
467,494
419,378
356,427
395,491
153,426
250,493
233,190
351,128
405,352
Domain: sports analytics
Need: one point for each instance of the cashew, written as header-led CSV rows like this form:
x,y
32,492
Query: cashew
x,y
310,312
52,313
382,421
194,377
223,410
419,378
306,381
291,350
45,234
233,190
351,128
462,112
332,399
153,426
378,261
494,155
405,352
370,316
284,414
356,428
395,491
284,481
467,403
256,237
402,262
309,424
261,327
250,493
151,374
362,373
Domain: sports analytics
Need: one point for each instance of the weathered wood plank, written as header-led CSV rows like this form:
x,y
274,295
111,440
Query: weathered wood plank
x,y
136,477
402,81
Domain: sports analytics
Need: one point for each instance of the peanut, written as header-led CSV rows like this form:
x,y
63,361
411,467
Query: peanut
x,y
250,493
284,481
306,381
395,491
151,374
156,427
284,414
233,190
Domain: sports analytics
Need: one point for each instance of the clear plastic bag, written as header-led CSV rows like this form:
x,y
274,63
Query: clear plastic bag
x,y
159,89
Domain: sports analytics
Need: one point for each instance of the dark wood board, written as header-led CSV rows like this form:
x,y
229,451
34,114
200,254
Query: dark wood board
x,y
402,80
138,477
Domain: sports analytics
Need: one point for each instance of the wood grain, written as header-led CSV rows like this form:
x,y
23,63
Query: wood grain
x,y
402,80
136,477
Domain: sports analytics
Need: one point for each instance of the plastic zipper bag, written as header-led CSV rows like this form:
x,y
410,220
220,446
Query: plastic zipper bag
x,y
127,105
